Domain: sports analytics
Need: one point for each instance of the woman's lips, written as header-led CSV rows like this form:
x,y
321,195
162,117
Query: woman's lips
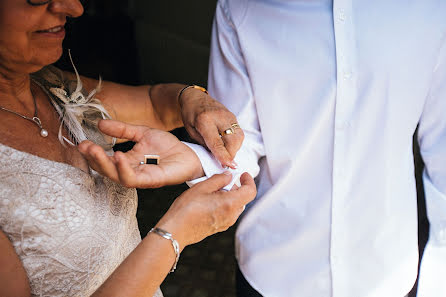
x,y
57,32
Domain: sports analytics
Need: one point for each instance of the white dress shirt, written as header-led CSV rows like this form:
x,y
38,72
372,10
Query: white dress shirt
x,y
329,94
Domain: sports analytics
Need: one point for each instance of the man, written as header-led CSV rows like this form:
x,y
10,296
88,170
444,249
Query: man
x,y
329,94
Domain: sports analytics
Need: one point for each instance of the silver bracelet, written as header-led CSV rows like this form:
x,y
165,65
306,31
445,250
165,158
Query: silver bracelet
x,y
175,245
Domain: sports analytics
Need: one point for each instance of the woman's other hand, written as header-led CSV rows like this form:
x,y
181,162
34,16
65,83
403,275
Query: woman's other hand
x,y
206,119
177,162
204,209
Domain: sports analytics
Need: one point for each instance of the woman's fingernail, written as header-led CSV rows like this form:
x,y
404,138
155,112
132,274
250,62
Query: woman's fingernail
x,y
227,173
233,164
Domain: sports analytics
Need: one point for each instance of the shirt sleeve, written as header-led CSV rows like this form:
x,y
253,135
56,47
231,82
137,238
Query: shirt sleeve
x,y
432,139
229,82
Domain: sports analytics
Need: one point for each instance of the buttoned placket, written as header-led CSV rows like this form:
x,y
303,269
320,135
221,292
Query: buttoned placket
x,y
345,95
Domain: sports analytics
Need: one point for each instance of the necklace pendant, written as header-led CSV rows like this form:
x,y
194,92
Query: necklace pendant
x,y
43,133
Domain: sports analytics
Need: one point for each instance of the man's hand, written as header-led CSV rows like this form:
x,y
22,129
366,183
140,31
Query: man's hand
x,y
177,163
206,119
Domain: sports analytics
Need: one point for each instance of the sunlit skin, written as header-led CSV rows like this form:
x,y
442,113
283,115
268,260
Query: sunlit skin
x,y
26,47
31,38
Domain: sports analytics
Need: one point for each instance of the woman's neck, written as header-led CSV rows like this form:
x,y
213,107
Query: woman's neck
x,y
15,91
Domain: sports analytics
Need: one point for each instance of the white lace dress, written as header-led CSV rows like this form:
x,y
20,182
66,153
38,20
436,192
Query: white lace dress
x,y
70,229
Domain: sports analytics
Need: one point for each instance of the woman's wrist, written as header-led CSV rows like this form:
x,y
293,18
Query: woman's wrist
x,y
189,89
164,98
170,223
175,246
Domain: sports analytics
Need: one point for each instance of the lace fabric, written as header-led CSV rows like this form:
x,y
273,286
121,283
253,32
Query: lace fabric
x,y
70,229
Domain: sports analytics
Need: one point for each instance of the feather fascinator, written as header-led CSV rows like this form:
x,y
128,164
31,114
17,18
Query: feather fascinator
x,y
78,110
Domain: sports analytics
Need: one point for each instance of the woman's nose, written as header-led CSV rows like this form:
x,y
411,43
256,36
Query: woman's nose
x,y
71,8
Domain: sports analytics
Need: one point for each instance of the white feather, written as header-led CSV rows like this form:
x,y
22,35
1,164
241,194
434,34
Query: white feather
x,y
80,113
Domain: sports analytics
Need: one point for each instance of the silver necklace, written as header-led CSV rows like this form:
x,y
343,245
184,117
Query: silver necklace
x,y
35,119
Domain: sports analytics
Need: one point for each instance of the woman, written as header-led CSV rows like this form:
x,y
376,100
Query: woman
x,y
65,230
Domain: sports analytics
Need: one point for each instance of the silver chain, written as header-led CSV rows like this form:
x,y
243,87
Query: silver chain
x,y
35,119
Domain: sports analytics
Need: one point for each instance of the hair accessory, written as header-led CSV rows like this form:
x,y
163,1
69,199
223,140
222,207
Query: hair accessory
x,y
175,245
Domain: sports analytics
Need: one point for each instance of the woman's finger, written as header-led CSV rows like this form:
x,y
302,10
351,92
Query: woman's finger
x,y
231,132
193,133
214,142
122,130
215,182
126,173
84,148
98,159
246,192
233,141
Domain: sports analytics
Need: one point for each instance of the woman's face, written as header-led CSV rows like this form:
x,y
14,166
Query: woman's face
x,y
31,36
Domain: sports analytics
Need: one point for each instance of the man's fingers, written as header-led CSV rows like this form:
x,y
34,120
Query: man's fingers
x,y
122,130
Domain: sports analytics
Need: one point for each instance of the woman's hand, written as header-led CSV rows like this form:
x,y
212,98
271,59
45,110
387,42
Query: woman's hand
x,y
205,119
177,163
204,209
199,212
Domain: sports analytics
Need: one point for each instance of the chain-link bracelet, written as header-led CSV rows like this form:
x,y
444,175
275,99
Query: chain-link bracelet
x,y
175,245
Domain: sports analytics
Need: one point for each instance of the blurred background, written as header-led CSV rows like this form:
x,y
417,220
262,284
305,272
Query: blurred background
x,y
148,42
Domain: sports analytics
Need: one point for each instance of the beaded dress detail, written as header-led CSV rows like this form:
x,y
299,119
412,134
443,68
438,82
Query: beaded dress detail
x,y
70,229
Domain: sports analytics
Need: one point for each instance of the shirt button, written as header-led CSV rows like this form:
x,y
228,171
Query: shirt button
x,y
347,75
341,15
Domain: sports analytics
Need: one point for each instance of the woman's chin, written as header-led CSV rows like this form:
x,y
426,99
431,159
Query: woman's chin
x,y
48,57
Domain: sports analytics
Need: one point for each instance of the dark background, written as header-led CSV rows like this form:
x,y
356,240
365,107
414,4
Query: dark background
x,y
147,42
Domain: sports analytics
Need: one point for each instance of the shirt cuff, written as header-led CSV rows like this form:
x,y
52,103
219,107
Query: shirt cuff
x,y
211,166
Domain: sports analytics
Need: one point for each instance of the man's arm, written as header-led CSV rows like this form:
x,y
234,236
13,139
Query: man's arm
x,y
229,81
432,139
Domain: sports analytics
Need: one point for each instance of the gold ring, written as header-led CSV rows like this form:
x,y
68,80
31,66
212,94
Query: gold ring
x,y
227,132
235,126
